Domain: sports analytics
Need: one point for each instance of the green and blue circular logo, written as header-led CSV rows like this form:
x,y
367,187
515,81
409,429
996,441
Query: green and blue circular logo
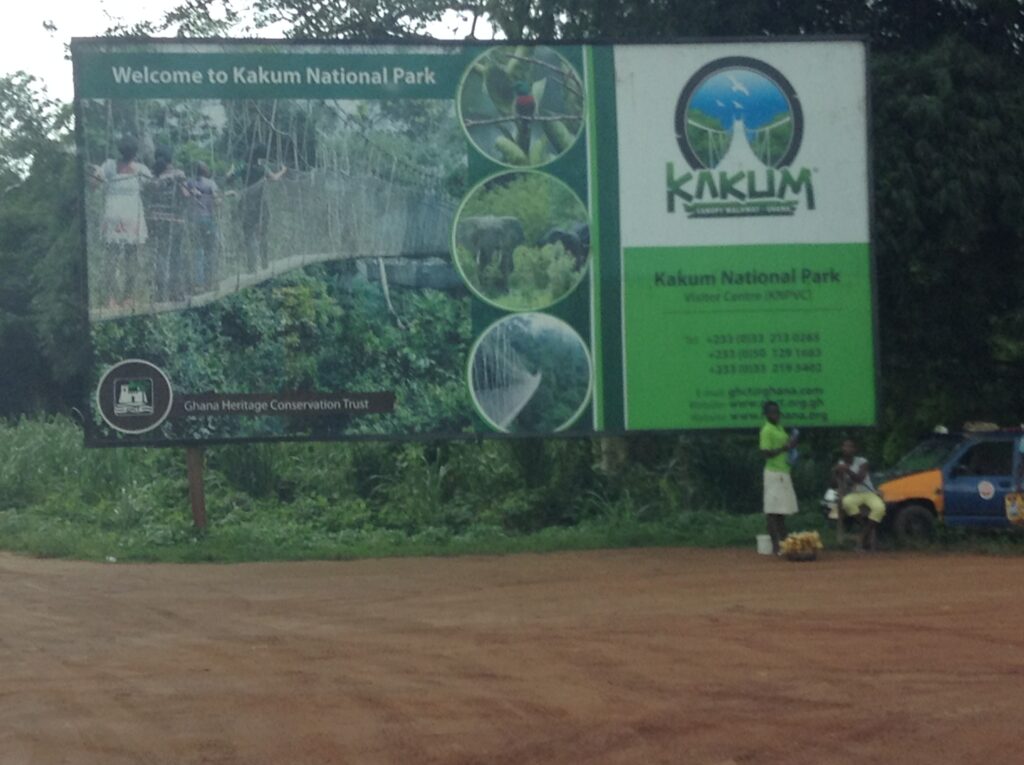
x,y
736,113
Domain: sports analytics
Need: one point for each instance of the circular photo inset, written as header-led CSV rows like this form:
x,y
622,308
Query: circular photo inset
x,y
522,105
522,240
530,373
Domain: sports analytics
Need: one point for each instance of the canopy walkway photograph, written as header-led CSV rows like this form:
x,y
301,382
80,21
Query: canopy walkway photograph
x,y
501,382
530,373
239,193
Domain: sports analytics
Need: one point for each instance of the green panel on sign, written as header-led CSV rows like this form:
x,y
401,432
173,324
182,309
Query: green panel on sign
x,y
268,74
605,242
711,332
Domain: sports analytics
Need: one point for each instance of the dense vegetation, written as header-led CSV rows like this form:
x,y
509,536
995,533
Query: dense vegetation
x,y
556,353
323,328
306,500
321,501
947,107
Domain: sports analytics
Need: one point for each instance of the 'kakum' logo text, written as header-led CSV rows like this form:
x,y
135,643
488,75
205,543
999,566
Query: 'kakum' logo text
x,y
739,125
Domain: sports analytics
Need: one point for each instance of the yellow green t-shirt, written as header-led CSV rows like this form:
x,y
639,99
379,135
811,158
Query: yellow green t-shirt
x,y
774,437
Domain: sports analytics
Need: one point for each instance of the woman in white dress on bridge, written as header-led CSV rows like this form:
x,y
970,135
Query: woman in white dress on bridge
x,y
124,223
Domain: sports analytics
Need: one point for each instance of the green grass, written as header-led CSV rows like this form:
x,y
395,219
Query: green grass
x,y
32,533
342,501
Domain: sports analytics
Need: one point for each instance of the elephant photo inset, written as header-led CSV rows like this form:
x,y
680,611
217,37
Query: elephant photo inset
x,y
522,105
530,373
522,241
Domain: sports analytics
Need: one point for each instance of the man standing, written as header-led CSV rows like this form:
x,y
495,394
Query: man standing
x,y
255,211
165,210
779,497
203,198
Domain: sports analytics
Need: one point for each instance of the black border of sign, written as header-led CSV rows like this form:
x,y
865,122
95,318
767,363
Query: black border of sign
x,y
78,43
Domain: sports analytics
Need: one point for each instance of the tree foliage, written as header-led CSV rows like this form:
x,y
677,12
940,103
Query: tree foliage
x,y
323,328
29,121
949,234
41,349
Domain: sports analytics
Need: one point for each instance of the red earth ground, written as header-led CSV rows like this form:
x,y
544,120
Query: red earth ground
x,y
644,656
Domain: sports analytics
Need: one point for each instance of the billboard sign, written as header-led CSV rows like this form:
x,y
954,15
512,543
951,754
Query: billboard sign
x,y
333,241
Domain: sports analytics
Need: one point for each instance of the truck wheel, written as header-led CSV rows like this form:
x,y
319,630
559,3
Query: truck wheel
x,y
914,523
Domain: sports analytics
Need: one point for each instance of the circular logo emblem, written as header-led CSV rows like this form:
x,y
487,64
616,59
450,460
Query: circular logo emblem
x,y
134,396
736,113
986,490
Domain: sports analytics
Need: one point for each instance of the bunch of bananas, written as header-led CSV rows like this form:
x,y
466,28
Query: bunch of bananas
x,y
801,542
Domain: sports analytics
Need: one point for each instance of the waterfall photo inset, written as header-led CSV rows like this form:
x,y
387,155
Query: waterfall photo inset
x,y
530,373
522,240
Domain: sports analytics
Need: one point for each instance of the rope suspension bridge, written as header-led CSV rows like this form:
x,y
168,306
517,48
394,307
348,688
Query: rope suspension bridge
x,y
502,384
719,141
762,143
363,202
716,140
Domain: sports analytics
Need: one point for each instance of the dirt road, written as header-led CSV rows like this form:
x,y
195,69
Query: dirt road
x,y
651,656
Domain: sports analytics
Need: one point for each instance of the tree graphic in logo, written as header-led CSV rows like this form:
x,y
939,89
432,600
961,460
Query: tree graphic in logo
x,y
737,112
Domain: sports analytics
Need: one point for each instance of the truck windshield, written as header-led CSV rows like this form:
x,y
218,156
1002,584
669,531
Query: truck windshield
x,y
927,455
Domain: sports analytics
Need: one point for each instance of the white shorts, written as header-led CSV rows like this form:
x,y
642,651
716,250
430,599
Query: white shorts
x,y
779,497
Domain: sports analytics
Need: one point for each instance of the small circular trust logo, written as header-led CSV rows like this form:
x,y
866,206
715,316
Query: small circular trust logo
x,y
134,396
736,113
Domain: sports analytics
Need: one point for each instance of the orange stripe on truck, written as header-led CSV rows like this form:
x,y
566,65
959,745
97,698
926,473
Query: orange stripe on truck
x,y
922,487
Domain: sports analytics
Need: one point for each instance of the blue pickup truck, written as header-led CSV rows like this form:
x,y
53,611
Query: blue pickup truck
x,y
965,479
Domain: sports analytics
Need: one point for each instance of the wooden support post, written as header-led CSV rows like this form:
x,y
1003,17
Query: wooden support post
x,y
614,451
196,491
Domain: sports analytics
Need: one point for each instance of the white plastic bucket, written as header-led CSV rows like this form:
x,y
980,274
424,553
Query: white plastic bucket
x,y
764,544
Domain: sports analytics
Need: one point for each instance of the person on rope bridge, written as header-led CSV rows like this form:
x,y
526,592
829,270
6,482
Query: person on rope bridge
x,y
165,208
123,227
254,213
203,199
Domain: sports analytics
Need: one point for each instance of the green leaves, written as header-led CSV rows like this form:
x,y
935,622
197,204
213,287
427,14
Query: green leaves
x,y
29,121
500,86
41,335
509,151
950,234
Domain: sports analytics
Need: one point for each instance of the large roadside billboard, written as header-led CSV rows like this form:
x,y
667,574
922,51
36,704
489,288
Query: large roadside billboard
x,y
345,241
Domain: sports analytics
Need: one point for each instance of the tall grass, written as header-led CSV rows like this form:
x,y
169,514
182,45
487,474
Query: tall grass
x,y
341,500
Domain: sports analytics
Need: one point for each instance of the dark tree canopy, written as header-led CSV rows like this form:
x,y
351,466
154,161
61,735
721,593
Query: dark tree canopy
x,y
998,25
38,251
